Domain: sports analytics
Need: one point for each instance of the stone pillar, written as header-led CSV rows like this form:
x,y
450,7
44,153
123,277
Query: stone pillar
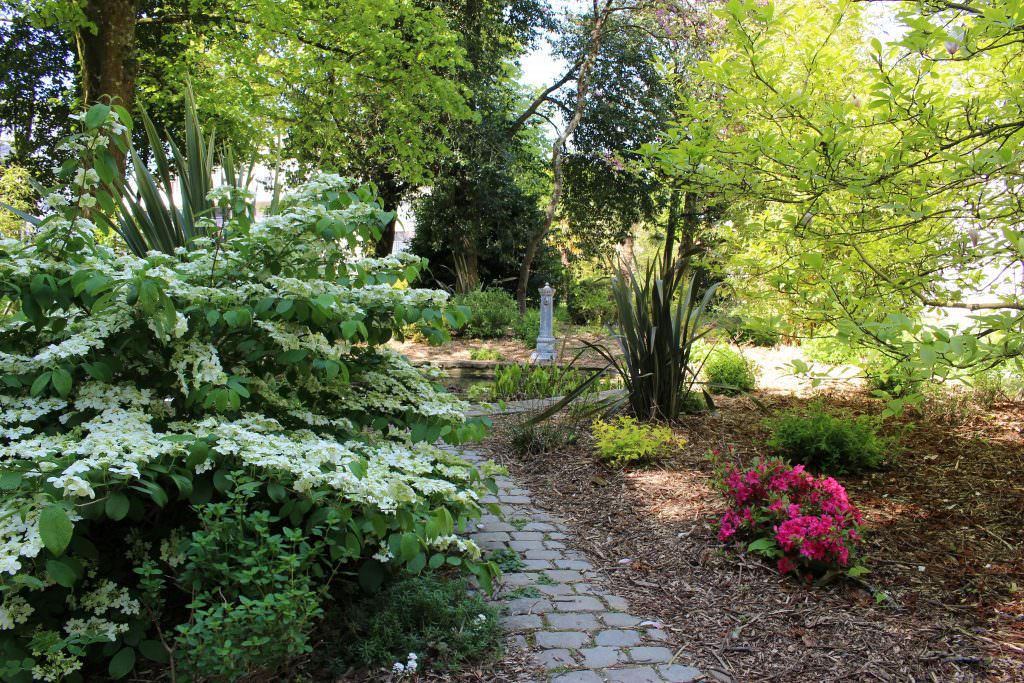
x,y
545,352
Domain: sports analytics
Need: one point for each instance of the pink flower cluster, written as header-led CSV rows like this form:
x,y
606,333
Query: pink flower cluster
x,y
810,518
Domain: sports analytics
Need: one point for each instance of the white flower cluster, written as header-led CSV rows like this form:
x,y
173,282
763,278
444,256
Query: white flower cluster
x,y
338,424
408,668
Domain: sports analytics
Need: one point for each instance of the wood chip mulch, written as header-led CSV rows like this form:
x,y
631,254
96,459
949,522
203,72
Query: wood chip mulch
x,y
943,601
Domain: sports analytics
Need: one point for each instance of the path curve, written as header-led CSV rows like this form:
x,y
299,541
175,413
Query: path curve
x,y
553,603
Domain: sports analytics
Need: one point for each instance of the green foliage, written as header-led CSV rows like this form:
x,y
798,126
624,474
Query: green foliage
x,y
508,560
135,390
588,296
491,312
829,350
624,441
865,193
692,402
889,378
486,354
528,381
480,392
660,318
15,191
527,327
257,588
729,372
526,437
991,385
432,616
831,442
757,336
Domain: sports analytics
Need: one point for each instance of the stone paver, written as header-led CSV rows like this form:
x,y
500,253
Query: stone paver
x,y
579,633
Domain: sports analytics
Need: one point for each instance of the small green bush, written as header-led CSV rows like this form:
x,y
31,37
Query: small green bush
x,y
729,372
758,336
886,376
692,402
830,351
835,443
256,592
486,354
527,438
431,620
492,311
627,442
589,301
480,392
527,326
992,385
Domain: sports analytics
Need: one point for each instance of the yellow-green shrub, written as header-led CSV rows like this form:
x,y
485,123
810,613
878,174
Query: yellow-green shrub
x,y
627,442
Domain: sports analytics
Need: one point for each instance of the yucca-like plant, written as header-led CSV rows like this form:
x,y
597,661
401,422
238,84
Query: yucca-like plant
x,y
660,318
150,213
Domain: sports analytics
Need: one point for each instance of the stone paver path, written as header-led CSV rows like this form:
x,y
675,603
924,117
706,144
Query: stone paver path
x,y
553,604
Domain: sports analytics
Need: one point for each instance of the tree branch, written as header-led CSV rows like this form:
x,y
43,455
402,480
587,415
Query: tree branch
x,y
539,100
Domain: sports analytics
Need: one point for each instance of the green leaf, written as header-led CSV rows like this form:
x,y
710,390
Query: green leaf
x,y
122,663
10,481
763,545
117,506
62,573
40,384
99,370
276,491
410,545
61,379
436,560
55,529
857,570
417,563
154,650
371,576
96,115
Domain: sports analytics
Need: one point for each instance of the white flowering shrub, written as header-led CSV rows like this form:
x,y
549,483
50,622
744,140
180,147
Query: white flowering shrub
x,y
134,391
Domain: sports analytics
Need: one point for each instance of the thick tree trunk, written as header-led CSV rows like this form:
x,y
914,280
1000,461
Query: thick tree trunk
x,y
107,57
391,196
558,151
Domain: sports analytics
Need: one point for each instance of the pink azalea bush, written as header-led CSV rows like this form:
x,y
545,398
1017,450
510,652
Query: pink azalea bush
x,y
806,522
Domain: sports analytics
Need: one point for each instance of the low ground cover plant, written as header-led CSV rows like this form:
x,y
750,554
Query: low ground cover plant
x,y
526,381
835,442
624,441
806,523
426,622
486,354
491,312
729,372
198,447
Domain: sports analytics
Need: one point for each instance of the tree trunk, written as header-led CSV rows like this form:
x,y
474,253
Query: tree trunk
x,y
558,152
391,196
107,56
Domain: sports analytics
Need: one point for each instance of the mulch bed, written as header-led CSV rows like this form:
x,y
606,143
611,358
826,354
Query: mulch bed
x,y
945,531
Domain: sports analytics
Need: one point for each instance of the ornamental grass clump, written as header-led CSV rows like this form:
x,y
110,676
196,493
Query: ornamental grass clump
x,y
806,523
139,393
